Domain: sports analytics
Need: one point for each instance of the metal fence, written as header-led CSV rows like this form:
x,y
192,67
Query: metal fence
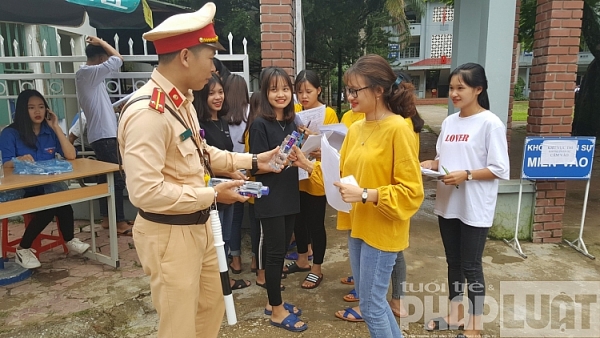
x,y
54,76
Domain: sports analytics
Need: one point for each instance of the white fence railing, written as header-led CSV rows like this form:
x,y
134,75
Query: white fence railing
x,y
54,76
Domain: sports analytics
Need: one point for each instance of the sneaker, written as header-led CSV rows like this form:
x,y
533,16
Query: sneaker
x,y
77,246
26,259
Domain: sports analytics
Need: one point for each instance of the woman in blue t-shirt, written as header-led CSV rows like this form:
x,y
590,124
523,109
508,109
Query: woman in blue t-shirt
x,y
36,136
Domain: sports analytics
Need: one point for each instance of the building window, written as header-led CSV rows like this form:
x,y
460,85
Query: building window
x,y
443,14
412,51
441,45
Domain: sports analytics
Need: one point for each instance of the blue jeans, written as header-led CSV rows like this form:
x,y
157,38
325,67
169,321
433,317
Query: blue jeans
x,y
106,150
235,243
372,270
226,217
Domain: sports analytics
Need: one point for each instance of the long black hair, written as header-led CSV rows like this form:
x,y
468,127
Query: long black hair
x,y
201,99
22,122
253,113
417,121
236,100
270,77
311,77
473,75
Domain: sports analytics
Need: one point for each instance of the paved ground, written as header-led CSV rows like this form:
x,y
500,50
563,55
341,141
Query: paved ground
x,y
76,297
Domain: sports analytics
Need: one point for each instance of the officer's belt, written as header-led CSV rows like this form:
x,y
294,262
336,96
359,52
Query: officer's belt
x,y
199,217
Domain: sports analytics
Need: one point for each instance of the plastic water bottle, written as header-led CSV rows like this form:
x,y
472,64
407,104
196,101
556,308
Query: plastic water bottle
x,y
284,150
249,188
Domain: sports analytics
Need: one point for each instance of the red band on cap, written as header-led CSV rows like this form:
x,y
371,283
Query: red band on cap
x,y
185,40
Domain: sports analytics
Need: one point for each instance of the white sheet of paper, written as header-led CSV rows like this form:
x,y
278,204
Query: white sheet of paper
x,y
312,143
335,139
302,174
330,164
337,127
316,117
559,152
431,173
349,180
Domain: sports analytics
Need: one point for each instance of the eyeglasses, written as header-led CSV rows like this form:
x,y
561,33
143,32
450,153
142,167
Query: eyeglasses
x,y
354,92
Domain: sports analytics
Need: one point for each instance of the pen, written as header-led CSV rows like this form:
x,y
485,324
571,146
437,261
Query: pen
x,y
447,172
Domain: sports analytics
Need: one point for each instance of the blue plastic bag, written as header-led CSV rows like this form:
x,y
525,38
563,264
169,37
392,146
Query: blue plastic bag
x,y
49,167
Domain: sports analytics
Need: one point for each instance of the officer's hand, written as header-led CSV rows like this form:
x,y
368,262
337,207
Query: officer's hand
x,y
265,158
227,192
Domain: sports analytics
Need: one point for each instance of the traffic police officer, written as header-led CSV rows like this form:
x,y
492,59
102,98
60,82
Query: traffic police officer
x,y
168,164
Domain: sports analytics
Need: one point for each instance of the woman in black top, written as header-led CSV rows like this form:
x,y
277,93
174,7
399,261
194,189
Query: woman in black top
x,y
208,103
277,210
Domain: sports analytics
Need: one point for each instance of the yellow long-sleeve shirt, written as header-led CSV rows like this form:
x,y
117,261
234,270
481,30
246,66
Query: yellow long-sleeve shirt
x,y
382,155
306,185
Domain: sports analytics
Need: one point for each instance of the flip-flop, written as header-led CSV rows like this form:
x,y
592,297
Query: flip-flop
x,y
313,278
235,271
348,280
293,256
289,323
240,284
349,311
442,325
289,307
264,286
293,268
126,232
351,296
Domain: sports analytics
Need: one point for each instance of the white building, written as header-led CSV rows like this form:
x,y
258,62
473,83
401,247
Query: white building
x,y
427,59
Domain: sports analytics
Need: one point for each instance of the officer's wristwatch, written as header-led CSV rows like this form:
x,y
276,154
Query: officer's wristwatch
x,y
254,162
365,195
469,175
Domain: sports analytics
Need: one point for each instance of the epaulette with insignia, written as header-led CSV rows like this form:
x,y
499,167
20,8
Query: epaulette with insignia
x,y
157,101
174,95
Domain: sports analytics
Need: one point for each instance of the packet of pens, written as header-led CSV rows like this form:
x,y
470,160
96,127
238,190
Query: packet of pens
x,y
249,188
284,150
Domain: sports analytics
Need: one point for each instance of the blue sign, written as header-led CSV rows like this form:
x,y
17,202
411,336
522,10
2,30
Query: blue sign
x,y
393,55
125,6
394,46
558,158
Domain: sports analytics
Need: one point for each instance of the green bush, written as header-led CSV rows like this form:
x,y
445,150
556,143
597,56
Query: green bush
x,y
519,88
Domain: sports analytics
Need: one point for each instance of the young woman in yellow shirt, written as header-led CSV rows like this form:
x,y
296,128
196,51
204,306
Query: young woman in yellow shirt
x,y
380,153
310,222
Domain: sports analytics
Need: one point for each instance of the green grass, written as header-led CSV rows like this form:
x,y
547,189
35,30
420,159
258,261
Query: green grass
x,y
520,110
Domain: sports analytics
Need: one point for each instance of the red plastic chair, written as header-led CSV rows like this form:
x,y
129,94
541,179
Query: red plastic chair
x,y
51,241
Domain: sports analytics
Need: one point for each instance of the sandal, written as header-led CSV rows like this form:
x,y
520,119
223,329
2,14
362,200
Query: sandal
x,y
351,296
126,232
240,284
349,311
289,307
289,323
312,278
348,280
235,271
442,325
264,286
293,268
293,256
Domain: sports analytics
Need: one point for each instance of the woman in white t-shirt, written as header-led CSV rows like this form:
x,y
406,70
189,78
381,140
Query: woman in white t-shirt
x,y
472,151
